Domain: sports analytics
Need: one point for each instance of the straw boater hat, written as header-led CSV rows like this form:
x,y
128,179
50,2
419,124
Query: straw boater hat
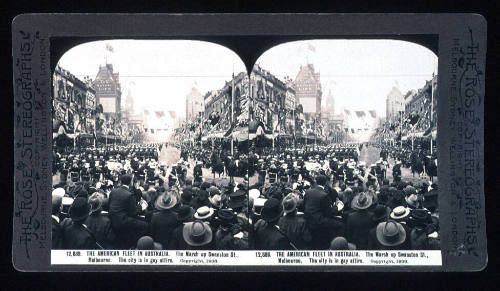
x,y
57,196
254,193
67,201
166,201
400,212
361,201
197,233
204,212
390,233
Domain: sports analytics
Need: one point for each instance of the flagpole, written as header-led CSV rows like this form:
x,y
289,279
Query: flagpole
x,y
232,110
412,135
294,125
432,110
314,132
401,129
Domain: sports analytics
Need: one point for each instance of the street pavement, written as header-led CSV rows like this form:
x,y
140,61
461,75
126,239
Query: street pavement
x,y
372,154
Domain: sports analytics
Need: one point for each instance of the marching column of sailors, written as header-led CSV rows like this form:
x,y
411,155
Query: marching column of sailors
x,y
329,199
122,197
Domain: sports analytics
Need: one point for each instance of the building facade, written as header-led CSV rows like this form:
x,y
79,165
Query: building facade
x,y
330,106
194,104
419,104
394,104
219,102
108,90
308,92
272,100
73,101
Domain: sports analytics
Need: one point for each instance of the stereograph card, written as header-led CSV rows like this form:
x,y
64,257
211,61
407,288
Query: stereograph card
x,y
249,142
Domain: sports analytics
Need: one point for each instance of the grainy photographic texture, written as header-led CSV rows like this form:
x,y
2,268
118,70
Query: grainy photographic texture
x,y
321,142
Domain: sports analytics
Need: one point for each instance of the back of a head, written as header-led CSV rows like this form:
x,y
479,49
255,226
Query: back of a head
x,y
126,179
321,180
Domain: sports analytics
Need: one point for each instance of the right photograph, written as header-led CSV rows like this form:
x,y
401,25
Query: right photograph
x,y
342,146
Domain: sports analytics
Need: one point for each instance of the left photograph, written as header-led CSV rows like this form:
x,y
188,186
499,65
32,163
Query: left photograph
x,y
150,147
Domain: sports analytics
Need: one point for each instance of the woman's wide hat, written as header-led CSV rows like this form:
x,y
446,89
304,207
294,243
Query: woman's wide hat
x,y
197,233
390,233
361,201
166,201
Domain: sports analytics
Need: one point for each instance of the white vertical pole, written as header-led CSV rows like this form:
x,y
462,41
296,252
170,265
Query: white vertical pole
x,y
232,111
432,109
401,128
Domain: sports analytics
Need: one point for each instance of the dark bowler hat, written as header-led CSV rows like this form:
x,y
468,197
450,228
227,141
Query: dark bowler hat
x,y
80,209
340,243
205,185
381,213
226,215
272,210
186,196
184,213
147,243
420,216
237,199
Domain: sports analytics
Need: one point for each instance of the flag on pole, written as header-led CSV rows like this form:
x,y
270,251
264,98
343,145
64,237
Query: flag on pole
x,y
110,48
311,47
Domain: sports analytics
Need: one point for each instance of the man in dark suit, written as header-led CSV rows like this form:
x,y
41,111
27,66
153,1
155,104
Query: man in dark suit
x,y
165,220
75,234
99,222
123,210
359,222
268,236
318,210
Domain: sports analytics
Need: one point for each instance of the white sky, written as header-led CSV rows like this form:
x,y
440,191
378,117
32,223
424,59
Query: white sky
x,y
360,73
160,73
